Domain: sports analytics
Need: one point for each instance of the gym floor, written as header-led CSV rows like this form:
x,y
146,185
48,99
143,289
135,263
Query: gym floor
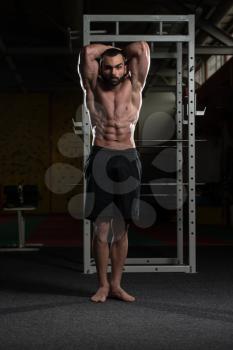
x,y
45,303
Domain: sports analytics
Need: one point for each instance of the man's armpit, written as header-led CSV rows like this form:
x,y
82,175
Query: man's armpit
x,y
136,84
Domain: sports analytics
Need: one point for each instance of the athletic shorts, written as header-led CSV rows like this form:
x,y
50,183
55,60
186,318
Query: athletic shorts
x,y
113,180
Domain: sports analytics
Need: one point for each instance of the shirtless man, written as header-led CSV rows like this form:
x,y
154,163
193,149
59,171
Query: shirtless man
x,y
112,80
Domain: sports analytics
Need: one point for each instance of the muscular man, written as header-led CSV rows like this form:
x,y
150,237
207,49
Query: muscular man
x,y
112,80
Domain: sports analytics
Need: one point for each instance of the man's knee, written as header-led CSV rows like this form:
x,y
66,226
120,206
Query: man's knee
x,y
101,230
119,230
120,236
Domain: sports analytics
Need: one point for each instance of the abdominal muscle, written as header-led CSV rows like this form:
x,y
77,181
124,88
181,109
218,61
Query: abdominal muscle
x,y
114,134
114,115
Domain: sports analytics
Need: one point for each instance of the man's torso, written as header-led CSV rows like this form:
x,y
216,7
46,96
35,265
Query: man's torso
x,y
114,114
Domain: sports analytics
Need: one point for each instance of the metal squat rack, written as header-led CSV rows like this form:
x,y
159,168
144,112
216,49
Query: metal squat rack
x,y
155,264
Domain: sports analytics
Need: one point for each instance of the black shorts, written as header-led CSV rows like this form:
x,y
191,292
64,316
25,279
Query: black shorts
x,y
113,180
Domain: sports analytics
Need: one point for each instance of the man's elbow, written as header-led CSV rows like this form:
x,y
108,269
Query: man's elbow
x,y
88,53
85,50
143,48
84,55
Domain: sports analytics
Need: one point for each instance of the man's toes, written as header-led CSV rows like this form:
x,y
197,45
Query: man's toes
x,y
122,295
98,298
103,299
93,299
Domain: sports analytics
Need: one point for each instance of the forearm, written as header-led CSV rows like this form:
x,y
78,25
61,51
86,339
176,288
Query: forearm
x,y
135,49
94,51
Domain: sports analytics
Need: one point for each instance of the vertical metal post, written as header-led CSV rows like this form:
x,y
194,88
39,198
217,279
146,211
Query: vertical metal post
x,y
160,28
117,28
179,154
86,145
117,32
21,226
191,146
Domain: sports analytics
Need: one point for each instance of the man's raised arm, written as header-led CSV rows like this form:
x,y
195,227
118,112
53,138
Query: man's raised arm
x,y
88,66
138,57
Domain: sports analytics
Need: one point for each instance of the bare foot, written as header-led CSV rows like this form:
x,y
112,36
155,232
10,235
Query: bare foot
x,y
100,295
119,293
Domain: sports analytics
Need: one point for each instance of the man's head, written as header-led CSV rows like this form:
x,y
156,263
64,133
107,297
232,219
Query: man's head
x,y
113,66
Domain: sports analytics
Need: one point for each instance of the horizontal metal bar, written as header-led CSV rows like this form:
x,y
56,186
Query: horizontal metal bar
x,y
158,55
131,261
159,195
162,195
134,261
157,268
137,18
19,208
98,31
152,184
17,249
76,123
172,140
128,38
149,268
155,146
199,50
224,50
169,183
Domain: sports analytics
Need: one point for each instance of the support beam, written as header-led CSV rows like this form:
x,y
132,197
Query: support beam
x,y
215,32
213,50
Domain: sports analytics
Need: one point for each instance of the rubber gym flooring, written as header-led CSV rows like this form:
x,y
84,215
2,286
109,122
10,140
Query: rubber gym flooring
x,y
45,304
45,297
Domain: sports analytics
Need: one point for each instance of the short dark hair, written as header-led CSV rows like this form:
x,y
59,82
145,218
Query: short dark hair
x,y
113,51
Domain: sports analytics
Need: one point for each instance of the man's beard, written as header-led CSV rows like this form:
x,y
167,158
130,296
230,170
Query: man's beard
x,y
112,82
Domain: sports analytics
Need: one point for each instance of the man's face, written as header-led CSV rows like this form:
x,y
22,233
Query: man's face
x,y
113,69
